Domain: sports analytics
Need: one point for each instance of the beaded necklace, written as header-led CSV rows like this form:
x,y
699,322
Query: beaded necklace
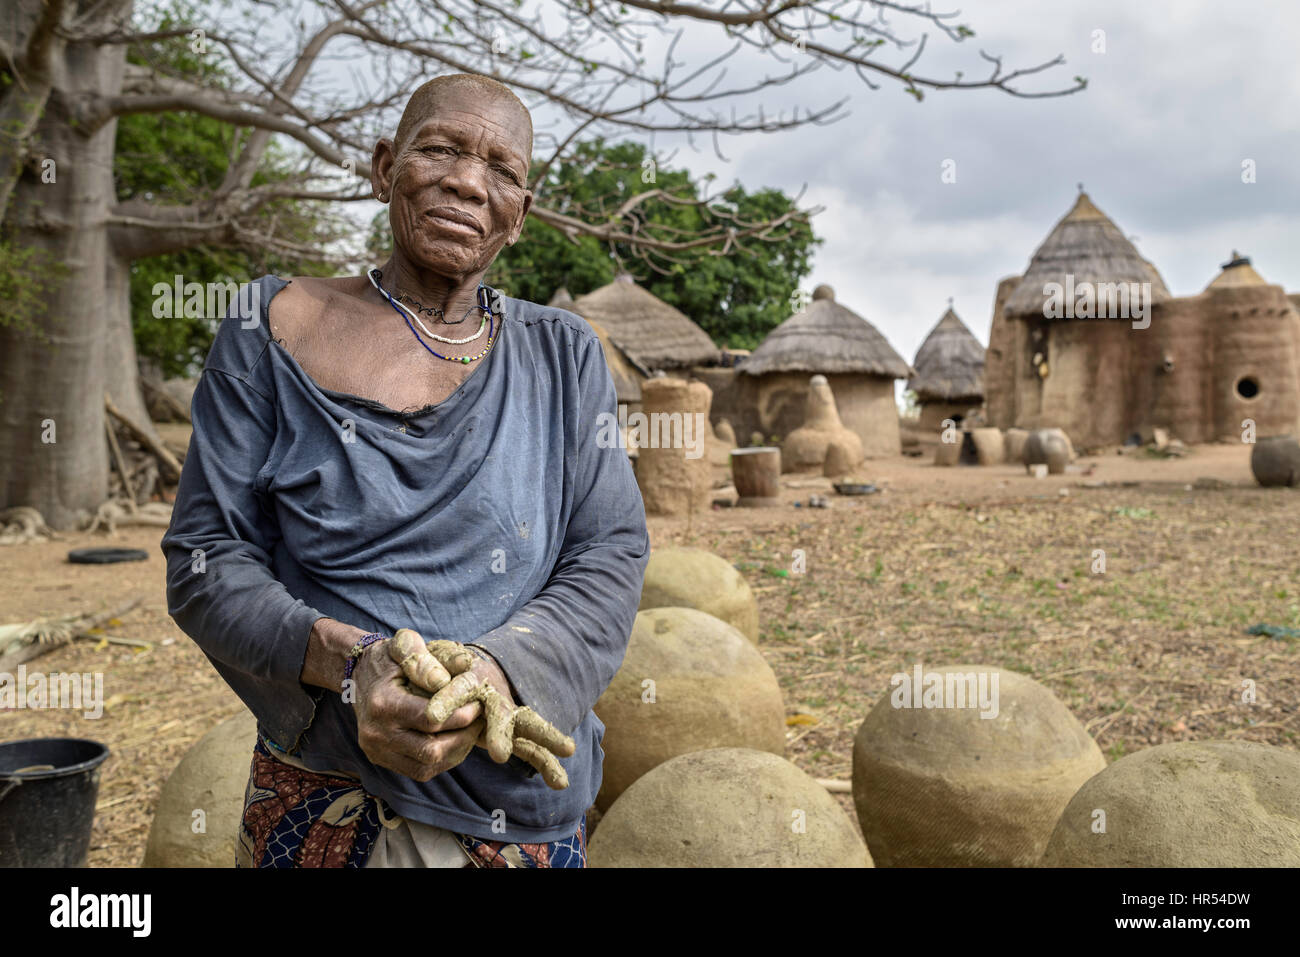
x,y
487,317
375,275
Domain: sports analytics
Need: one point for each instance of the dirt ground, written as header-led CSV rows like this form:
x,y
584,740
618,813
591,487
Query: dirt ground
x,y
944,566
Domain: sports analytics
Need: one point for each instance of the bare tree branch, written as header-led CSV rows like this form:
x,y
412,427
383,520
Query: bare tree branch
x,y
35,58
24,98
584,72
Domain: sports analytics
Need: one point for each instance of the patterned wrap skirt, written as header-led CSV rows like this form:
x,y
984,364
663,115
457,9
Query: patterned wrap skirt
x,y
295,817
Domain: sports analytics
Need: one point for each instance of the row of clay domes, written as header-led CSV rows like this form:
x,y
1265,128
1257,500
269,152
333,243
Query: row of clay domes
x,y
695,775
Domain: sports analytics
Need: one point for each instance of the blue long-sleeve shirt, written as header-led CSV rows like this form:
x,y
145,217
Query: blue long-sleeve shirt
x,y
496,518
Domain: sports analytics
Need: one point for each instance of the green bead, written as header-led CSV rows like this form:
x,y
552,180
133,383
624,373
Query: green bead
x,y
465,359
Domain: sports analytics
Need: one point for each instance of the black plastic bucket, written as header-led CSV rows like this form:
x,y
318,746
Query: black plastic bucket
x,y
48,788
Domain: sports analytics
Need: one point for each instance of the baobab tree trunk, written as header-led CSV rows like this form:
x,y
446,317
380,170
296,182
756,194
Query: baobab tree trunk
x,y
52,407
121,364
64,77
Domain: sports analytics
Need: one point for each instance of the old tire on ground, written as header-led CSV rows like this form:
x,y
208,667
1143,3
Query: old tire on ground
x,y
711,689
695,578
945,787
1186,804
728,807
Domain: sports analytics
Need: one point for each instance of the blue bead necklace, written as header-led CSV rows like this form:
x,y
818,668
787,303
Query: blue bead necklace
x,y
482,303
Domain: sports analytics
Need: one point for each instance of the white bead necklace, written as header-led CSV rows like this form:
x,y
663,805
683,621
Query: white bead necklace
x,y
398,303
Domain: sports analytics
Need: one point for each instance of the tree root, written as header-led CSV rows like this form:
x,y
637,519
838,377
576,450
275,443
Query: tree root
x,y
115,512
23,524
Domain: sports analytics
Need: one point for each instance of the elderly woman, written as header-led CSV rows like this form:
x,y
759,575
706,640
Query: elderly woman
x,y
410,449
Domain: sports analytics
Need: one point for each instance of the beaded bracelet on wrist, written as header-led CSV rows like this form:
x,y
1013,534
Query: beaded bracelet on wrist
x,y
364,642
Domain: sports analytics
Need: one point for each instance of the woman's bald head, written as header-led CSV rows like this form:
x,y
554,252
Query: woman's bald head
x,y
456,178
460,87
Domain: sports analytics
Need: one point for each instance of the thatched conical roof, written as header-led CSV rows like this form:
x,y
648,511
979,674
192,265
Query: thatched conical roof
x,y
562,300
652,333
950,363
827,338
627,379
1085,244
1237,271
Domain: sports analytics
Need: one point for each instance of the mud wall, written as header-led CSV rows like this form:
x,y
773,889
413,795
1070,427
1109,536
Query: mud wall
x,y
1254,329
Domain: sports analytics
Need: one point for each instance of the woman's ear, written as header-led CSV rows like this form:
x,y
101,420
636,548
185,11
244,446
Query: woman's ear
x,y
523,215
381,170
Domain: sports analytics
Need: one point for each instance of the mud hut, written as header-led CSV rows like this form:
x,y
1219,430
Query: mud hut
x,y
1237,271
651,334
1065,333
1251,369
831,340
1085,246
949,379
625,373
1198,366
1211,361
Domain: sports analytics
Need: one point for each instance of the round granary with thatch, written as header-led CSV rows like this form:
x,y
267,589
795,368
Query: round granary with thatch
x,y
651,335
828,339
1249,348
627,377
949,379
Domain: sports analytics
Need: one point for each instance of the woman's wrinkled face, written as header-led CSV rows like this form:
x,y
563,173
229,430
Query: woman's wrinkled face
x,y
458,185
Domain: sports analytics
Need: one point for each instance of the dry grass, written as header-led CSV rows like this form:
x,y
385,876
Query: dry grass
x,y
960,565
158,701
1153,650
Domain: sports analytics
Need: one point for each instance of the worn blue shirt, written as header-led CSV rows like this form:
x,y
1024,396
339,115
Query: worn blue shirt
x,y
495,518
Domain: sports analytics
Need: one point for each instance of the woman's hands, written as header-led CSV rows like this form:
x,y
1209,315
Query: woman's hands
x,y
421,707
394,727
458,681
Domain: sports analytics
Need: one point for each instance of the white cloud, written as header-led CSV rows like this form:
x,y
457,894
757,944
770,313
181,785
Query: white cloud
x,y
1184,92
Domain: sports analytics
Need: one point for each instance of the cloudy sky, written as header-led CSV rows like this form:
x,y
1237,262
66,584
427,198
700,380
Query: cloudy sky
x,y
1185,91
